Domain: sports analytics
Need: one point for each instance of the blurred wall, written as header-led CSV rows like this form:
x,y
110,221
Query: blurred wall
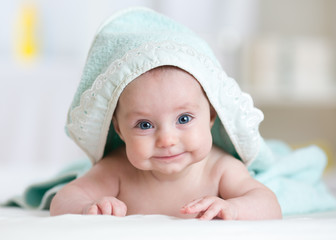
x,y
295,84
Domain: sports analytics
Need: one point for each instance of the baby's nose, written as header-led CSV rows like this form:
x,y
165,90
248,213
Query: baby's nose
x,y
166,138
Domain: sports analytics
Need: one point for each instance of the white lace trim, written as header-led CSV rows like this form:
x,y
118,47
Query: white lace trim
x,y
89,122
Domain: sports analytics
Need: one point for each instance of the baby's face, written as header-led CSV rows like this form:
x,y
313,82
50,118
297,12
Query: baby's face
x,y
165,121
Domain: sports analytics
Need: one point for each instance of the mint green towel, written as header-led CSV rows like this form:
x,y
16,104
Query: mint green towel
x,y
40,194
295,177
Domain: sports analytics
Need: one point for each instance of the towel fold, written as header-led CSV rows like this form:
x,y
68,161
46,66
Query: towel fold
x,y
40,194
295,176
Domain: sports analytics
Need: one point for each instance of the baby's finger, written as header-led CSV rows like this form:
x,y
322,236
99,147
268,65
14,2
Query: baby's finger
x,y
92,210
210,213
119,208
105,207
200,214
198,205
193,202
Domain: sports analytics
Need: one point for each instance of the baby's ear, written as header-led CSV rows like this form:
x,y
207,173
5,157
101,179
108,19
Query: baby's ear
x,y
116,127
213,115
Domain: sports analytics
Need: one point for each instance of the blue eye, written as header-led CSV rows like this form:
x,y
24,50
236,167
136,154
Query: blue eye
x,y
184,119
145,125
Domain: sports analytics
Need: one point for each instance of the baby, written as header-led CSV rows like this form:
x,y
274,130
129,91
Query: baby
x,y
168,164
150,94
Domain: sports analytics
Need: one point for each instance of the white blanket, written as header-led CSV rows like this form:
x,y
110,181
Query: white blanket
x,y
17,223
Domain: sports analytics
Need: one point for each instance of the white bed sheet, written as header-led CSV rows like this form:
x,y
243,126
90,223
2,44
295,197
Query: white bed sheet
x,y
17,223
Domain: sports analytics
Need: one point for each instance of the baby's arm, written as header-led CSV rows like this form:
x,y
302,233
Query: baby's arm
x,y
241,197
93,193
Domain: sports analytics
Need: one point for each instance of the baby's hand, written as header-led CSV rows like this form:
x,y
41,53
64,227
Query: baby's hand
x,y
211,207
106,206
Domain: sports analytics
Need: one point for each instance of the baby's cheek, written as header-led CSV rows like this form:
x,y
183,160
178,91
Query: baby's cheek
x,y
201,141
138,152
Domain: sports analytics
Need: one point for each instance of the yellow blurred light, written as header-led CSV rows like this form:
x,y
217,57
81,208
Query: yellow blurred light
x,y
26,43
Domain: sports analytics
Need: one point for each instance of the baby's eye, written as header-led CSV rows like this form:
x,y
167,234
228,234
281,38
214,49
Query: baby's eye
x,y
183,119
144,125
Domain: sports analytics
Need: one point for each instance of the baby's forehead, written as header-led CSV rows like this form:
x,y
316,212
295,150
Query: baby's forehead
x,y
172,72
163,70
165,85
164,78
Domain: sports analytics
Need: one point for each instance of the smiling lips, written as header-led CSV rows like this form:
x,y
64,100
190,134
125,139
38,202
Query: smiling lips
x,y
168,158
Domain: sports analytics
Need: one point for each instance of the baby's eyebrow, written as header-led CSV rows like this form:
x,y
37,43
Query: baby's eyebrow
x,y
187,106
137,113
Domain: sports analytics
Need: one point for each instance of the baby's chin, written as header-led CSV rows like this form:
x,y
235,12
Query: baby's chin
x,y
172,173
169,167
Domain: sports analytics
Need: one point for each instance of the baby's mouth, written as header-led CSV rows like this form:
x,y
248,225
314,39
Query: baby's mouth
x,y
168,158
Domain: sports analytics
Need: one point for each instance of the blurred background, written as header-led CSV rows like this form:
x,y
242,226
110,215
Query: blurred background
x,y
281,52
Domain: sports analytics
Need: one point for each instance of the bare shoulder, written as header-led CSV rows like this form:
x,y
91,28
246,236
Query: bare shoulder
x,y
233,176
223,161
114,165
104,176
115,161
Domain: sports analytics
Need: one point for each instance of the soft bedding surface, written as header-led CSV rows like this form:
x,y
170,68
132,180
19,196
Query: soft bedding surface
x,y
16,223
